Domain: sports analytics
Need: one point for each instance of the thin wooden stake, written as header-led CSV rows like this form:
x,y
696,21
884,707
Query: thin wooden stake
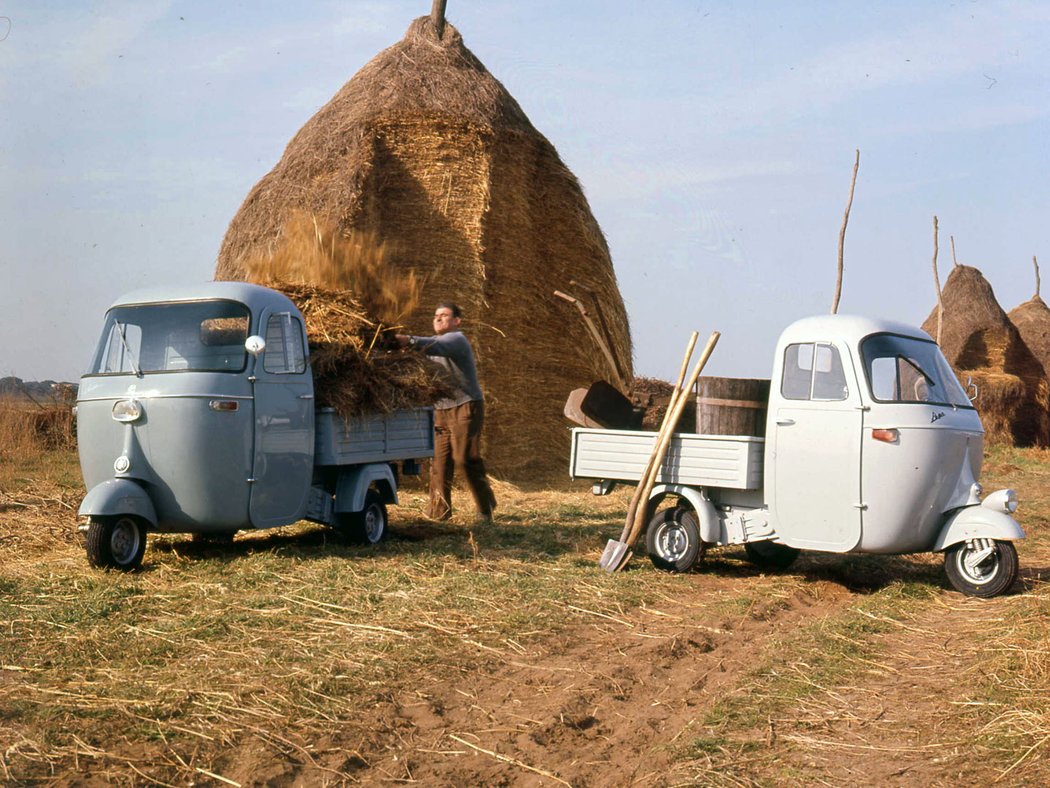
x,y
937,282
1036,264
437,16
955,262
842,235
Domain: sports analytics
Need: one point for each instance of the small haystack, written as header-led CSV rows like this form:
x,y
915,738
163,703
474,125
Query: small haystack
x,y
426,150
980,342
1032,319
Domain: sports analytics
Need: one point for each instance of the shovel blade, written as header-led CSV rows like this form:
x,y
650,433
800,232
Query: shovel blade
x,y
614,555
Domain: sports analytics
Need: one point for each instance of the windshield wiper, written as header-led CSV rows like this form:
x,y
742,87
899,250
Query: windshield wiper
x,y
127,349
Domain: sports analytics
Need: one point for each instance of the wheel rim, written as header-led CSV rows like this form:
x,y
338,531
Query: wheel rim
x,y
672,542
124,540
374,523
978,561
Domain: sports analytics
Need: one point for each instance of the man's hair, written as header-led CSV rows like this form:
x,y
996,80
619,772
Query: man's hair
x,y
456,311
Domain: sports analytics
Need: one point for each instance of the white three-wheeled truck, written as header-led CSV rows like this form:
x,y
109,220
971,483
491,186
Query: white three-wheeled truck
x,y
197,416
871,446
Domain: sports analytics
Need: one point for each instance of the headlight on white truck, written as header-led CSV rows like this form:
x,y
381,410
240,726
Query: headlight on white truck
x,y
1002,501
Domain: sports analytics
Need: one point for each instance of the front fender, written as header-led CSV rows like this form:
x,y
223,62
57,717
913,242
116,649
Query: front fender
x,y
977,522
118,496
711,530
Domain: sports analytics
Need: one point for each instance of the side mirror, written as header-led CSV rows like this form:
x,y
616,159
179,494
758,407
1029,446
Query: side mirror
x,y
971,385
255,345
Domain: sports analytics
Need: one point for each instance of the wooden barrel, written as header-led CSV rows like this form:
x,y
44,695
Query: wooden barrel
x,y
731,406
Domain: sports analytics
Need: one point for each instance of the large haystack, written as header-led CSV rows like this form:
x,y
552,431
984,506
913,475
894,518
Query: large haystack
x,y
981,342
427,150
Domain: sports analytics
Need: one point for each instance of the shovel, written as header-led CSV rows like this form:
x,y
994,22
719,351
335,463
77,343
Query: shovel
x,y
616,553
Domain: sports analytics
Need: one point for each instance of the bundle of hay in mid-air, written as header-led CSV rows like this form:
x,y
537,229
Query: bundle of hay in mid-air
x,y
982,344
350,314
426,151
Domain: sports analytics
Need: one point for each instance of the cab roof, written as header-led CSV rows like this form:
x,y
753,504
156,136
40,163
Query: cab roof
x,y
255,297
849,328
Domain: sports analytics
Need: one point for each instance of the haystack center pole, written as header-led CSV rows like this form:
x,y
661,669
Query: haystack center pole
x,y
842,235
937,282
954,261
437,16
1036,264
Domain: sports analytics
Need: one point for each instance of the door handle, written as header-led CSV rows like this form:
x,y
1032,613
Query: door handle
x,y
306,396
785,422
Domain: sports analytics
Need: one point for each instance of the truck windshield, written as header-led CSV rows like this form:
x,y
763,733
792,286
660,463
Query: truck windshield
x,y
201,336
904,369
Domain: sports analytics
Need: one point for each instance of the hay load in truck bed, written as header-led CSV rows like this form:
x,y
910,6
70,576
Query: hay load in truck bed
x,y
426,150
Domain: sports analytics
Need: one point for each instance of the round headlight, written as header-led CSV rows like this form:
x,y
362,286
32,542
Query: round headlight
x,y
1002,500
126,410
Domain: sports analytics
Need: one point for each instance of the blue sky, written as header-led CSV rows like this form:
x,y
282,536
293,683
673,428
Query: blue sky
x,y
714,141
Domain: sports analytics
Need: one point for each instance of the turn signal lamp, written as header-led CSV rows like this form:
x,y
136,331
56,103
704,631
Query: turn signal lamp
x,y
127,410
886,436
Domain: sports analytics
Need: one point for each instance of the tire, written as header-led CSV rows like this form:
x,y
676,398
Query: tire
x,y
367,526
981,567
673,540
116,542
771,556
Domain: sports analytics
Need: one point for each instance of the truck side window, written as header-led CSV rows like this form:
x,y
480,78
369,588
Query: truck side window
x,y
284,354
813,371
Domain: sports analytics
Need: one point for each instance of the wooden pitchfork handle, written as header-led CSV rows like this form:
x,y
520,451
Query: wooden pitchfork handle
x,y
646,487
597,337
666,423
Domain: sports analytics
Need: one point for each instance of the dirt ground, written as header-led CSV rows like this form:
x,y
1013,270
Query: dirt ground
x,y
609,703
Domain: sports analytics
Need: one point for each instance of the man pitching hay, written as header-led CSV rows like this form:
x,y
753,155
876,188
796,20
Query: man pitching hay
x,y
458,418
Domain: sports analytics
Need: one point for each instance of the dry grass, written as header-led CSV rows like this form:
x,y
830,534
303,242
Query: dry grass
x,y
278,648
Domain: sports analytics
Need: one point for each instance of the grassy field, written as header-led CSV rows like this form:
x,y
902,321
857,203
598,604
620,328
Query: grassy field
x,y
289,656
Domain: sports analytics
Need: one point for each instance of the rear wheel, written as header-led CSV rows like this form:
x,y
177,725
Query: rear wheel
x,y
981,567
117,542
673,540
367,526
770,555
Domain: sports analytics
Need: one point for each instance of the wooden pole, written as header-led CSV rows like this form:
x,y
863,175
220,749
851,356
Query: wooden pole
x,y
955,263
1036,264
842,235
667,425
937,282
437,16
645,487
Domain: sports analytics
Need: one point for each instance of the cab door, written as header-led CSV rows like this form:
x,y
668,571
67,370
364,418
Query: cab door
x,y
816,425
284,424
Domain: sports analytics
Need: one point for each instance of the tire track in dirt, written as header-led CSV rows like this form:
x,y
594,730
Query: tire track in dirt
x,y
602,703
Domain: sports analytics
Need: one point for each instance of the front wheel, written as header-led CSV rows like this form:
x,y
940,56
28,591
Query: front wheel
x,y
367,526
981,567
116,542
673,540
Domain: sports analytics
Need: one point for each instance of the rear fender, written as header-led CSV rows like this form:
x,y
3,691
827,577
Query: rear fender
x,y
354,482
977,522
711,530
118,496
